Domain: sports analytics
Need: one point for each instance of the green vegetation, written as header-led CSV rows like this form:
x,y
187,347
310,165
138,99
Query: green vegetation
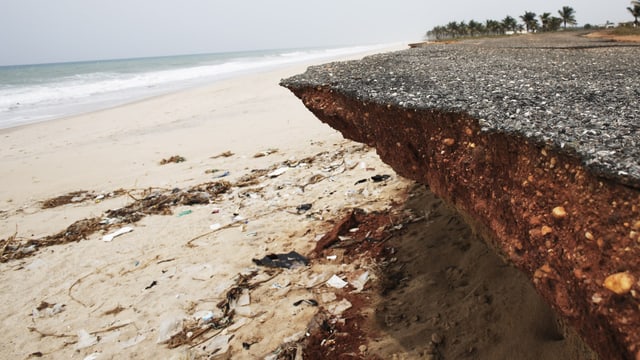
x,y
567,14
508,25
530,23
635,12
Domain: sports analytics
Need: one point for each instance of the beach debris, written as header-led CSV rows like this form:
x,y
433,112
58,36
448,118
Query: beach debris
x,y
132,341
215,226
289,260
169,328
265,153
173,159
332,257
153,283
225,154
303,207
85,340
311,302
374,178
192,331
277,172
339,307
153,202
359,282
110,237
184,212
114,311
336,282
79,197
379,178
93,356
223,174
72,197
253,178
48,309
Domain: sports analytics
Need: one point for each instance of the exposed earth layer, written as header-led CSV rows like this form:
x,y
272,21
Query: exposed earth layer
x,y
533,139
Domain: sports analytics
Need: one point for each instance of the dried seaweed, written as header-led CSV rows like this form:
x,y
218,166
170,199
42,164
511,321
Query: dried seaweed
x,y
154,202
173,159
193,330
75,196
78,197
223,154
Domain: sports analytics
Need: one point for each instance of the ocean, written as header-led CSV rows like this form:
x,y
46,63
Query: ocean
x,y
33,93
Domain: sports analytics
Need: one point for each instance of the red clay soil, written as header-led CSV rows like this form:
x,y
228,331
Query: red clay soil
x,y
358,234
508,188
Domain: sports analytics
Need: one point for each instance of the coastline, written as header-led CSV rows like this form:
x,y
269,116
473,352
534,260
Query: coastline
x,y
103,295
286,183
193,122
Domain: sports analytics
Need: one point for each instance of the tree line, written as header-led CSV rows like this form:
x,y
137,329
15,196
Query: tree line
x,y
530,23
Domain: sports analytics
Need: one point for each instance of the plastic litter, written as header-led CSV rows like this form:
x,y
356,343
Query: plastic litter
x,y
94,356
374,178
220,343
336,282
215,226
117,233
224,174
339,307
303,207
207,317
379,178
332,257
85,340
133,341
360,281
185,212
287,261
277,172
306,301
153,283
169,327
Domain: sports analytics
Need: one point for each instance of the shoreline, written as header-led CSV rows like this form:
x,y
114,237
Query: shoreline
x,y
154,128
81,97
90,297
261,176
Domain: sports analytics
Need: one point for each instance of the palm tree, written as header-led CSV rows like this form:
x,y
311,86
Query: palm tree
x,y
529,20
567,14
555,23
476,28
635,12
463,28
453,28
494,27
545,19
509,23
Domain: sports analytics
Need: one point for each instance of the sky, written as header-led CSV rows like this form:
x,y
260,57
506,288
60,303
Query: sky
x,y
45,31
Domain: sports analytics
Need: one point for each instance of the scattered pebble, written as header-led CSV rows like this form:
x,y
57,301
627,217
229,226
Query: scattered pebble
x,y
559,212
620,283
449,142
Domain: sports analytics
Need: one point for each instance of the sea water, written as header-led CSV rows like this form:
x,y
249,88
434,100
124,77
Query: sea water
x,y
32,93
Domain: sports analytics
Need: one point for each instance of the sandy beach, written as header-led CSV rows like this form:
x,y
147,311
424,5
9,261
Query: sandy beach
x,y
125,298
186,278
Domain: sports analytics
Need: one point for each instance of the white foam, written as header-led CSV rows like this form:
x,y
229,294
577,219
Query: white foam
x,y
92,91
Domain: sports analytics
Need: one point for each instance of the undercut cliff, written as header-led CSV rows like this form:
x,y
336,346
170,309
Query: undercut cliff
x,y
534,140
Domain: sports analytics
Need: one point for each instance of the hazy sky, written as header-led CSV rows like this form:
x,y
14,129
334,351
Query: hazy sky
x,y
38,31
